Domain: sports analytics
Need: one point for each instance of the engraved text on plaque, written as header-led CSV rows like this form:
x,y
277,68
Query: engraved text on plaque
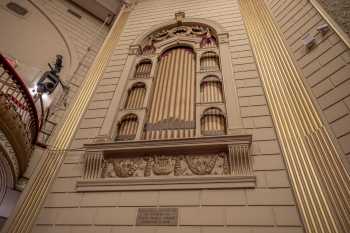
x,y
157,217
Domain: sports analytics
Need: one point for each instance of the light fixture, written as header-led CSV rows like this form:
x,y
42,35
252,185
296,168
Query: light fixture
x,y
50,79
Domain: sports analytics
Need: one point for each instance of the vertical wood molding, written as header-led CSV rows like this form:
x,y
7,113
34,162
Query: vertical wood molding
x,y
319,179
234,120
23,217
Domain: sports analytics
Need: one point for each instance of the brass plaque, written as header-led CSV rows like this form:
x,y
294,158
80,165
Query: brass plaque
x,y
157,216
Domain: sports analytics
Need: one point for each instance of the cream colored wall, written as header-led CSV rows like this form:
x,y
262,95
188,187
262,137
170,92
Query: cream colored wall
x,y
326,67
270,207
48,29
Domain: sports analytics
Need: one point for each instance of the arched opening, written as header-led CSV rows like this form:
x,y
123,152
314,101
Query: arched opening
x,y
127,128
210,62
143,69
136,96
211,90
213,122
172,109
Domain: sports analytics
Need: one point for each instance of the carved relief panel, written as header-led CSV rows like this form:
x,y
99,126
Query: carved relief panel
x,y
167,165
185,161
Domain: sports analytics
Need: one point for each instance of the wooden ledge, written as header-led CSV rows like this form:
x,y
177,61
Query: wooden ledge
x,y
187,143
166,183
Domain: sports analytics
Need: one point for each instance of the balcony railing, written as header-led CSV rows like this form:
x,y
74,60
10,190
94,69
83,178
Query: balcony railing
x,y
18,96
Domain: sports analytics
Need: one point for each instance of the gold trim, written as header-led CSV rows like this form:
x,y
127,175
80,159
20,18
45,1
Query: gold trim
x,y
26,212
319,179
345,37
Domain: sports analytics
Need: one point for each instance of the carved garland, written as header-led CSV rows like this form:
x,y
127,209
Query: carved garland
x,y
204,34
233,162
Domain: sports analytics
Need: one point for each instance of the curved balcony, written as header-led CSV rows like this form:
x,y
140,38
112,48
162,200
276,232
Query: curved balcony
x,y
19,121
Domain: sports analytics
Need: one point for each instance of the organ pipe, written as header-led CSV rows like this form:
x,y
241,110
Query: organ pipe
x,y
127,128
213,123
211,91
209,62
172,110
143,70
136,97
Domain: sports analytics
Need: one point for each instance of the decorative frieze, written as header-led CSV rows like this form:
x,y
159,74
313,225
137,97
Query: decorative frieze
x,y
166,165
204,35
190,160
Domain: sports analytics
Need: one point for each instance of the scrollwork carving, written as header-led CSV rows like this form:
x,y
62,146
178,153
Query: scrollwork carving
x,y
126,167
108,170
189,30
201,165
179,170
167,165
148,168
163,165
232,161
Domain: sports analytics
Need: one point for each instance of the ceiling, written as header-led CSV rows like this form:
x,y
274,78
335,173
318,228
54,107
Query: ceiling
x,y
100,8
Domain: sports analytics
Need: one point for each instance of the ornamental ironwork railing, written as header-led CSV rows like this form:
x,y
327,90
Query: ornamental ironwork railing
x,y
16,93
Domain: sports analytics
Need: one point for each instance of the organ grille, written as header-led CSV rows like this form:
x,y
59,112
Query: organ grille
x,y
143,70
127,128
136,96
172,110
209,62
211,90
213,122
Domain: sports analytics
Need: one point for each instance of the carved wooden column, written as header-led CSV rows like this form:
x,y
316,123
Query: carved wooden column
x,y
239,161
94,163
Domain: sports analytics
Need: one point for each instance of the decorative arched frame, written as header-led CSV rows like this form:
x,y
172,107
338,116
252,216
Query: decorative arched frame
x,y
153,43
192,159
